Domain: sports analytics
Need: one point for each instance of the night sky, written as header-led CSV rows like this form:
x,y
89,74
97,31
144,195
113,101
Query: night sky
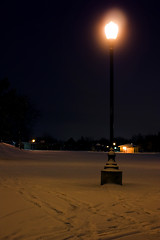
x,y
56,53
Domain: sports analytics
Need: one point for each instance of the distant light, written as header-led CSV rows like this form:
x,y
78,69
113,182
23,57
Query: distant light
x,y
33,140
111,30
114,144
115,147
107,146
124,148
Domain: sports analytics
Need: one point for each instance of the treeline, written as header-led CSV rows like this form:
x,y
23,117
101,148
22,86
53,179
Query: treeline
x,y
147,143
49,143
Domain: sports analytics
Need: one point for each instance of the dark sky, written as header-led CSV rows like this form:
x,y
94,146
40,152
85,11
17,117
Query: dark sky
x,y
56,53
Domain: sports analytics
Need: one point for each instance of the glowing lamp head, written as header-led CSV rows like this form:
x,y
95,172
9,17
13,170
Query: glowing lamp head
x,y
33,140
111,30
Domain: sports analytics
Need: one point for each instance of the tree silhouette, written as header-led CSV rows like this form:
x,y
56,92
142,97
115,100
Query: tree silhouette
x,y
17,114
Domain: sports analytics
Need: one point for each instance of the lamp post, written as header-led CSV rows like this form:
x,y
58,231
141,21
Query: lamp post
x,y
111,172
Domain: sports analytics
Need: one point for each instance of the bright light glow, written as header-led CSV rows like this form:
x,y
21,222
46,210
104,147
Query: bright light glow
x,y
111,30
114,144
33,140
124,148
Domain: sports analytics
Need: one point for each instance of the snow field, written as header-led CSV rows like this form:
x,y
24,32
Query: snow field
x,y
57,196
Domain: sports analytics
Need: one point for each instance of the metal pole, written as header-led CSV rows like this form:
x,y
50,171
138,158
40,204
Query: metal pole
x,y
111,172
111,96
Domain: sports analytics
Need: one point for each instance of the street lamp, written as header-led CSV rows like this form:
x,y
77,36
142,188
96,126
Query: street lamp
x,y
111,30
111,172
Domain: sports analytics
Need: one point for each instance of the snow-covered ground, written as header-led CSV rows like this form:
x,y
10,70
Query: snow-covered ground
x,y
57,195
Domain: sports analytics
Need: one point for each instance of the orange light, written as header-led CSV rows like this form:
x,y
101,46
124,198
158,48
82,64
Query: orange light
x,y
33,140
111,30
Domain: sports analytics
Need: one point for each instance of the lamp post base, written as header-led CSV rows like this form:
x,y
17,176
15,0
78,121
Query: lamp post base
x,y
111,176
111,172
